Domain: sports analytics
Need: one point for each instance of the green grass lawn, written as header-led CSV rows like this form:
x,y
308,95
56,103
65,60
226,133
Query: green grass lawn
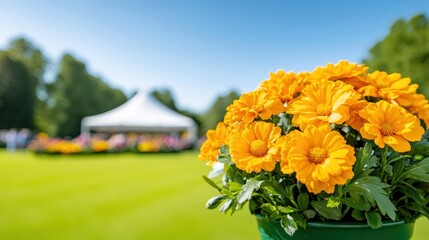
x,y
118,196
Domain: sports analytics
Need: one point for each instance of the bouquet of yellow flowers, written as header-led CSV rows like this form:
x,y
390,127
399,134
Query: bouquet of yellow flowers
x,y
336,144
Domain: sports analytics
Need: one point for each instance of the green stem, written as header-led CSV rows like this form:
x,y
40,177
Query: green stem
x,y
384,160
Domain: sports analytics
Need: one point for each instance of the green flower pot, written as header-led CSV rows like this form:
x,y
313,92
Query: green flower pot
x,y
337,231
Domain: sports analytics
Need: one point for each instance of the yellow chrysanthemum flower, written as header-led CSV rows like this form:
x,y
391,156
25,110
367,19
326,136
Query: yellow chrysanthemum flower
x,y
321,103
287,142
147,146
254,148
215,138
345,71
252,105
285,85
321,158
390,87
420,107
424,115
355,120
100,146
390,124
66,147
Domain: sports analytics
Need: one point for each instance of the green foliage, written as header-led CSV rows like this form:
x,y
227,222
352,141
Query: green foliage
x,y
224,156
419,171
57,107
216,113
372,189
406,50
373,219
76,94
166,97
16,94
322,208
247,190
386,186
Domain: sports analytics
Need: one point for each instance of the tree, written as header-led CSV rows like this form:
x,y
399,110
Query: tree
x,y
405,50
16,96
35,62
218,110
166,97
76,94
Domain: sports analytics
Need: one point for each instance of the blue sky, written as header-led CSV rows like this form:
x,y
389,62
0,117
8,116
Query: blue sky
x,y
200,49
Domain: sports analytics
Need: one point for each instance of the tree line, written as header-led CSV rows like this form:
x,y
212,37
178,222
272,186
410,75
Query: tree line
x,y
28,100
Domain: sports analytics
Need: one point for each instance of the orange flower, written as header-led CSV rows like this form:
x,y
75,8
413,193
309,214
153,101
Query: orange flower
x,y
420,107
355,120
390,124
284,85
350,73
215,138
252,105
287,142
391,87
100,146
320,157
321,103
148,146
254,148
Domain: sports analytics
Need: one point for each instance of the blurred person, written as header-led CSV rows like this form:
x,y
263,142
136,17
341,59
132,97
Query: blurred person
x,y
23,138
11,137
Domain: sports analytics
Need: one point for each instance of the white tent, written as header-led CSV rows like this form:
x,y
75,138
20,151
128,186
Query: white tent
x,y
142,113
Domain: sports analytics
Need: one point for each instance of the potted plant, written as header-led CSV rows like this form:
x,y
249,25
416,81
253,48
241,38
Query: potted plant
x,y
335,148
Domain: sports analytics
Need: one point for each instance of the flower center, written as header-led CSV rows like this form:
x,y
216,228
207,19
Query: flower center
x,y
387,129
258,148
323,110
318,155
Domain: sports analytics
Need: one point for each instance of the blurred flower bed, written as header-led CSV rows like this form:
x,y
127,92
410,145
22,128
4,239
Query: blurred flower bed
x,y
103,143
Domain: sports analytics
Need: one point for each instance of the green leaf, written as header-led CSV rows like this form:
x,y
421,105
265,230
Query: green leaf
x,y
324,211
373,219
357,201
299,219
358,215
234,174
333,202
419,208
269,188
419,171
211,183
389,170
289,225
214,202
398,167
371,188
421,147
303,200
215,172
309,213
227,205
286,209
253,206
390,161
224,156
268,208
235,186
413,193
247,190
364,161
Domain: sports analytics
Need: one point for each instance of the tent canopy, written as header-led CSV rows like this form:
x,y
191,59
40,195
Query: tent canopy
x,y
142,113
